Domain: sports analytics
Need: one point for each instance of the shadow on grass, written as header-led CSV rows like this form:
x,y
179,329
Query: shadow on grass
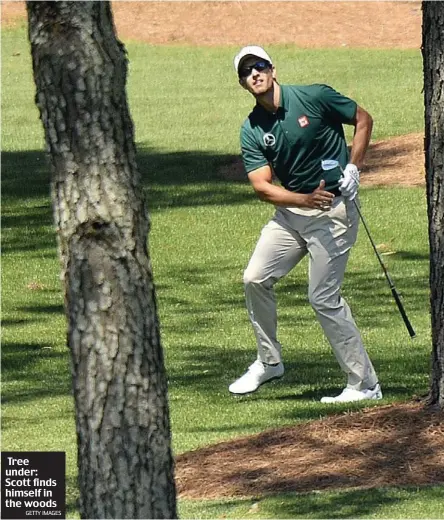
x,y
170,180
27,175
344,504
16,323
45,309
72,497
34,371
210,370
408,255
351,504
218,291
215,303
27,228
190,179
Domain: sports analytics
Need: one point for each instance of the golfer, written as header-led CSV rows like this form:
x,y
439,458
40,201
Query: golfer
x,y
290,131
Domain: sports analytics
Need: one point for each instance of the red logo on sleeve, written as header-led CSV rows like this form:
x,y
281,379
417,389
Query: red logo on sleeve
x,y
303,121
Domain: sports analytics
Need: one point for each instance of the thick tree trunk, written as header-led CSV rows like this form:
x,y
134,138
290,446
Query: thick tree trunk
x,y
123,431
433,56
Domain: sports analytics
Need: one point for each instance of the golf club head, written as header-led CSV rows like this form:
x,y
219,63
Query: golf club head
x,y
329,164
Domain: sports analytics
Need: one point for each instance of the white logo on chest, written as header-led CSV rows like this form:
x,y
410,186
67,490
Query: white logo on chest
x,y
269,140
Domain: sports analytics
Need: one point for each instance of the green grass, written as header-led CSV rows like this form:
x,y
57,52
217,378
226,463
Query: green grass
x,y
179,94
187,109
375,503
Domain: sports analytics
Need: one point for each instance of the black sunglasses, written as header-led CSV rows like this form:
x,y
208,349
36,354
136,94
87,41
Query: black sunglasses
x,y
244,72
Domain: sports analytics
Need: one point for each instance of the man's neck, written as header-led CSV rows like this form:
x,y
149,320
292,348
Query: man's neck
x,y
271,99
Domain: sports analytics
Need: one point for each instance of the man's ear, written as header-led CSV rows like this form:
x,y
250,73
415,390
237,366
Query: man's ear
x,y
243,83
273,72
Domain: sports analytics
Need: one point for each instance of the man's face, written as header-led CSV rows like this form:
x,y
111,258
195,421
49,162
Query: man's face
x,y
256,75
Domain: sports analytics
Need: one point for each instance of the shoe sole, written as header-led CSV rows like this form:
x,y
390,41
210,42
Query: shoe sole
x,y
264,383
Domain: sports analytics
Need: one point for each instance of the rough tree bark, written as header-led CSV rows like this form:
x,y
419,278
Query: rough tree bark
x,y
433,58
123,430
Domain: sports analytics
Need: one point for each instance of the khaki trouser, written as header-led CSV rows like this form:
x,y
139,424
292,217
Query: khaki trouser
x,y
327,237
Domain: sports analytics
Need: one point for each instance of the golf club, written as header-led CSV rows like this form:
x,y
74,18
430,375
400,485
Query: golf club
x,y
331,164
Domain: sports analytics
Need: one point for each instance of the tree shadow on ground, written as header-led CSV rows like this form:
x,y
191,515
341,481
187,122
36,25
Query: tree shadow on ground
x,y
202,309
347,504
27,174
170,180
37,369
210,294
72,497
191,179
212,367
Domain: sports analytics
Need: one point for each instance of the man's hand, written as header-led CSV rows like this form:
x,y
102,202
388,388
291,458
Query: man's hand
x,y
349,183
320,199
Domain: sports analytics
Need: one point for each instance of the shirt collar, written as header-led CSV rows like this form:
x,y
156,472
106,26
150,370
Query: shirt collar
x,y
283,102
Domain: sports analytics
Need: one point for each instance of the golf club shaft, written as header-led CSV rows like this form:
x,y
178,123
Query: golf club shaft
x,y
396,295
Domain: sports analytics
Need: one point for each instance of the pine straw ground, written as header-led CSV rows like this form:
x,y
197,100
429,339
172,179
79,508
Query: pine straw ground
x,y
400,444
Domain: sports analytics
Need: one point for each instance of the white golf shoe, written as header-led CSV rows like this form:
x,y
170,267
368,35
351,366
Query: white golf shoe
x,y
256,375
349,395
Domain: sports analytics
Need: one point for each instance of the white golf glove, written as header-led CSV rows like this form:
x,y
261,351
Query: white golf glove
x,y
349,183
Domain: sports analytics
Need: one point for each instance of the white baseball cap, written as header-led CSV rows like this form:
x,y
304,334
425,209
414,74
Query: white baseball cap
x,y
250,50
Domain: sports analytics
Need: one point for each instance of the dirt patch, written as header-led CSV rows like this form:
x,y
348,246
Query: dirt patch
x,y
305,24
381,446
398,161
12,12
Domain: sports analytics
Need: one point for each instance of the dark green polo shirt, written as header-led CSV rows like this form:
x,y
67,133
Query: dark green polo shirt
x,y
306,129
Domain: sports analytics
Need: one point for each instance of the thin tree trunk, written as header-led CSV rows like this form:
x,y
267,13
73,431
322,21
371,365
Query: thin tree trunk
x,y
122,419
433,57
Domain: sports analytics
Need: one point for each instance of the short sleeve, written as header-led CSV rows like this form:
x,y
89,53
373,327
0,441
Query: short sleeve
x,y
336,106
252,156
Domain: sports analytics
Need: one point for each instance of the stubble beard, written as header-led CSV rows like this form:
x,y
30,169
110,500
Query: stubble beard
x,y
263,90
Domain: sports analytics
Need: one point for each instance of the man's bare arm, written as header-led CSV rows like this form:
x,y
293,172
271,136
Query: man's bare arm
x,y
262,182
363,124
